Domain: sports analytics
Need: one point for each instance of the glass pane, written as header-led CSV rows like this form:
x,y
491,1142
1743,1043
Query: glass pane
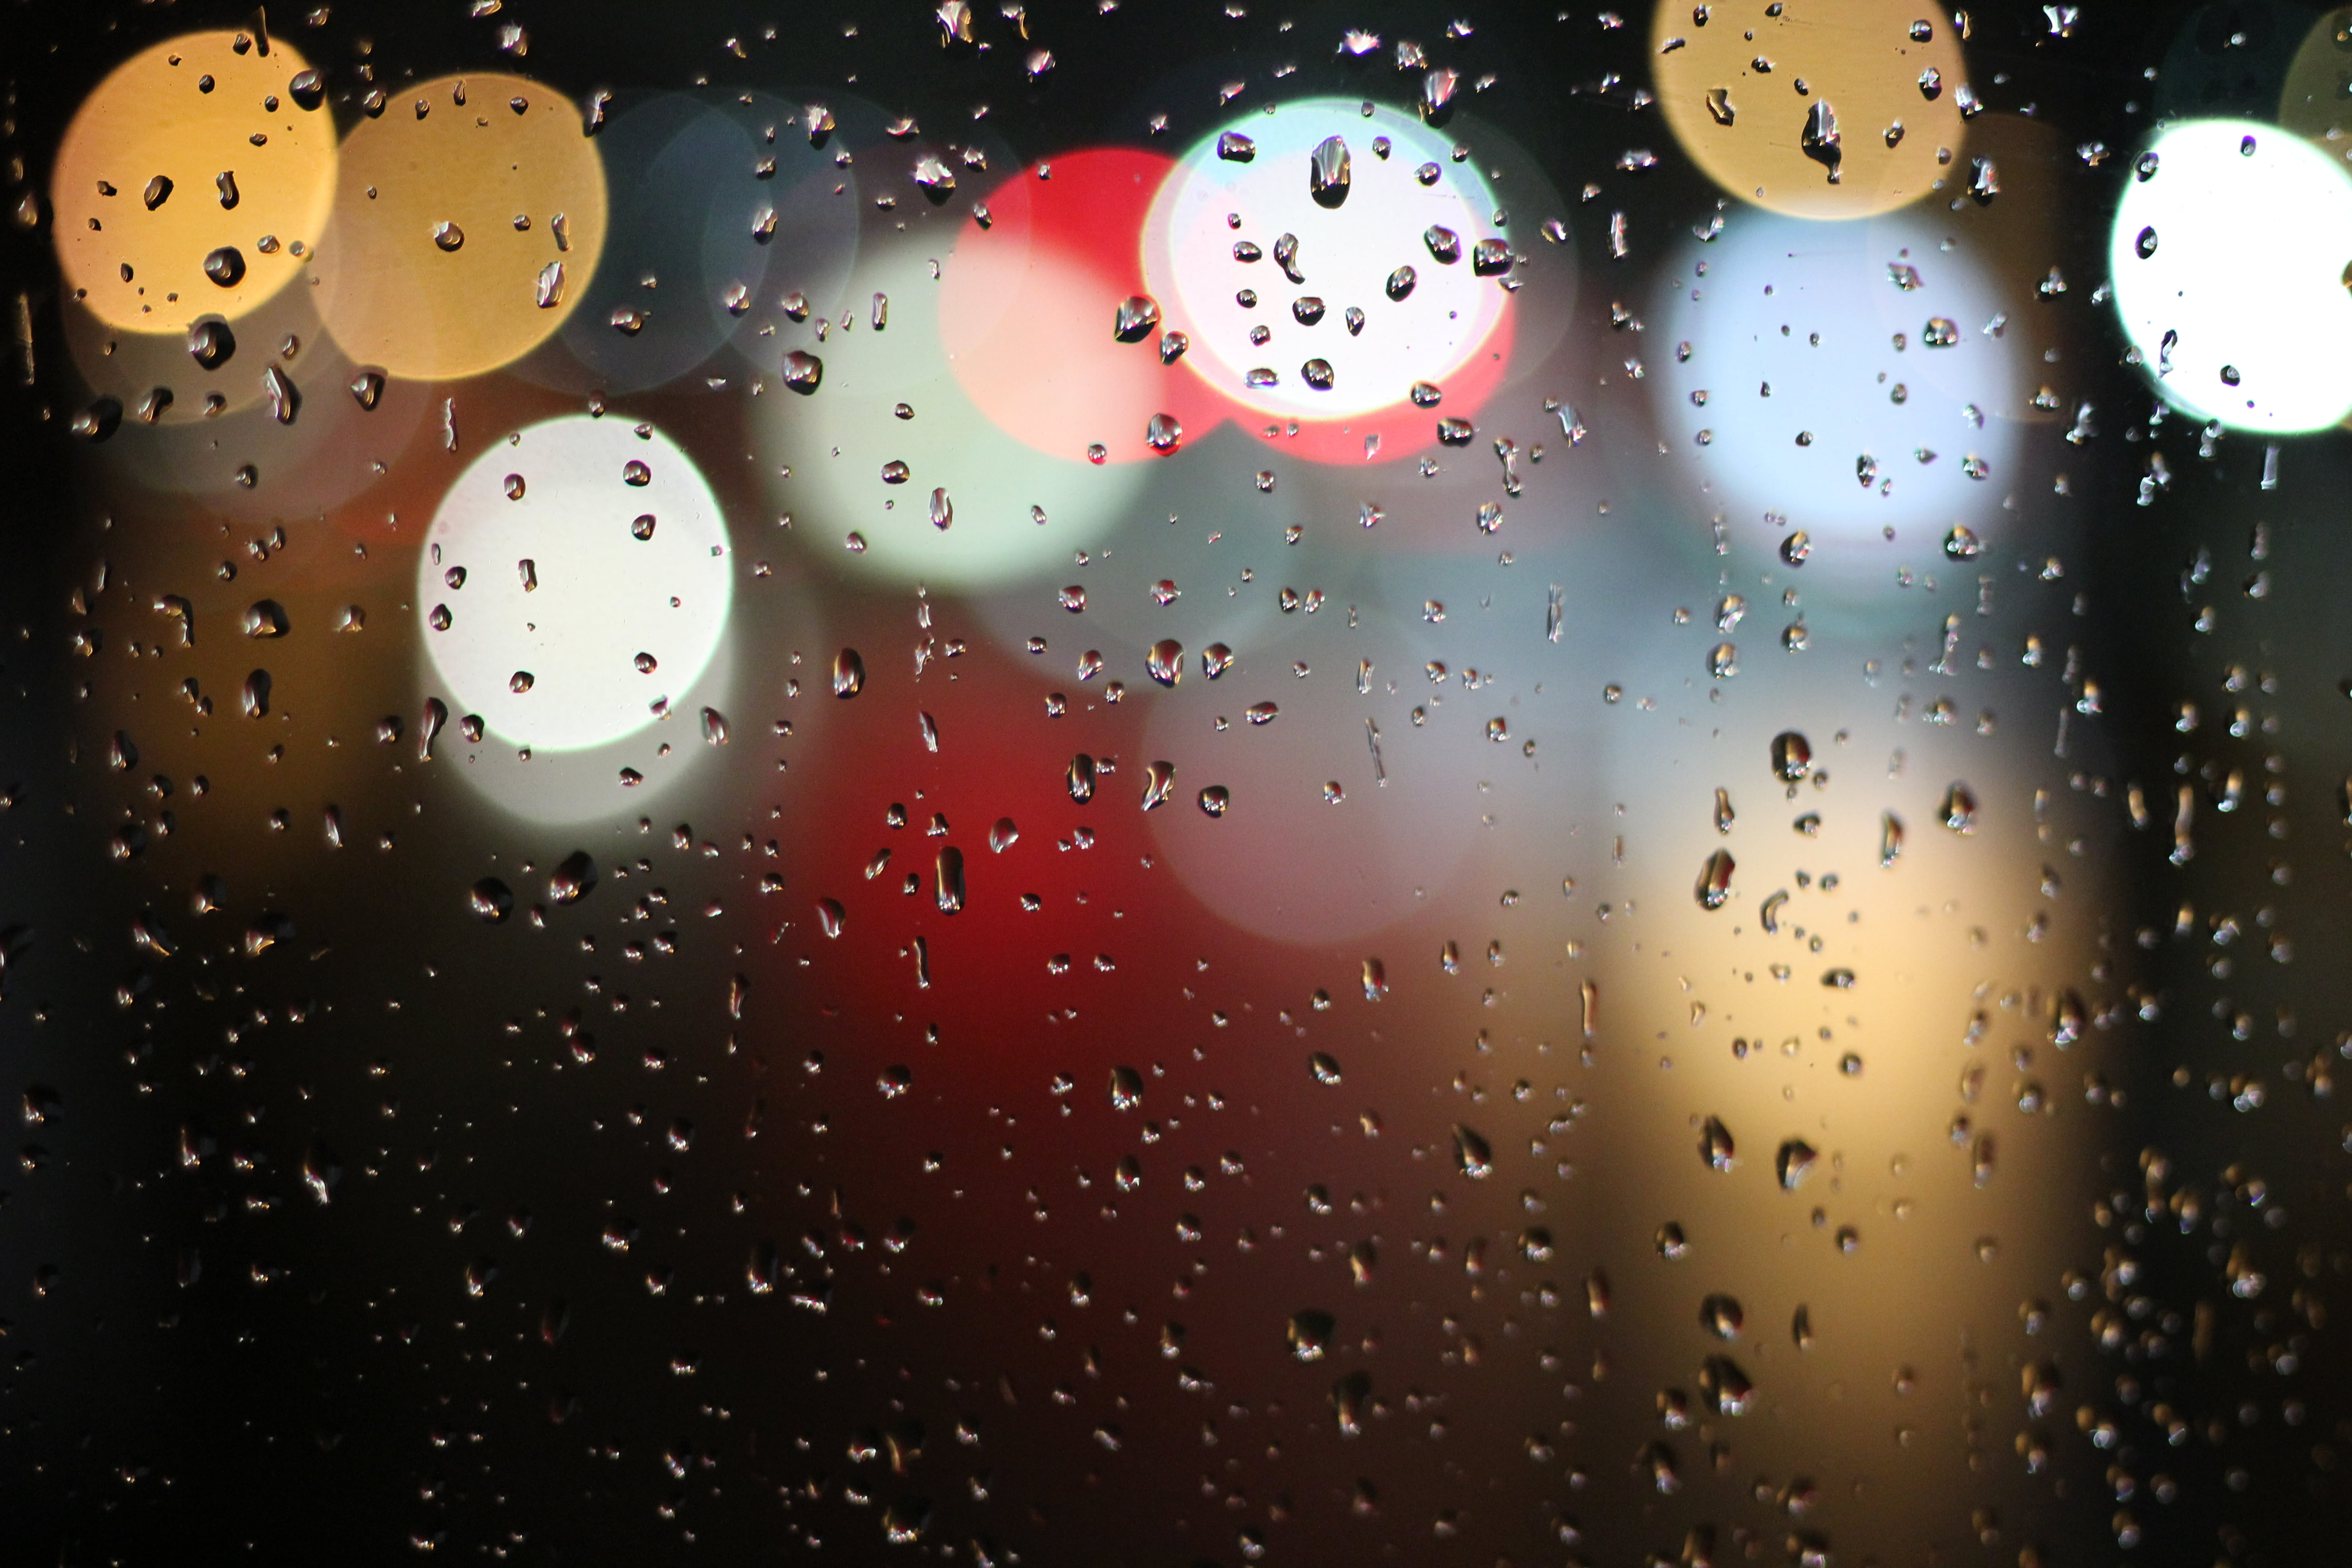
x,y
1176,783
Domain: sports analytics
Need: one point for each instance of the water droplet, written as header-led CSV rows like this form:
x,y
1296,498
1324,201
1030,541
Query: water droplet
x,y
1793,1163
1003,836
895,472
574,879
642,526
1670,1242
210,343
256,695
225,265
1472,1156
159,191
830,916
1158,784
1172,345
1961,808
1310,1334
1445,245
1719,104
714,727
367,387
1285,256
1437,89
1961,543
1723,661
1214,800
946,880
265,618
1721,1316
1261,712
1491,258
1792,757
1138,317
1166,661
1715,880
1820,139
1161,433
491,900
1715,1144
1329,172
1796,547
1126,1088
1324,1068
1074,598
1236,148
802,372
1725,1386
942,508
934,178
448,235
1215,659
1453,432
1401,282
1940,332
849,673
636,474
1080,778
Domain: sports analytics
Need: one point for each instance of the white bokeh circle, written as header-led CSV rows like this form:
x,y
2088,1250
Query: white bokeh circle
x,y
594,597
2249,232
1346,254
1801,360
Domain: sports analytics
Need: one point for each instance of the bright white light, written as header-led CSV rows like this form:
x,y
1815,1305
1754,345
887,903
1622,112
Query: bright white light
x,y
1800,374
555,585
2228,262
1346,255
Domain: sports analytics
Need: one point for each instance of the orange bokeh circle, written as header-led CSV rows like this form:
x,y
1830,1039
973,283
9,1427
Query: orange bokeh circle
x,y
192,149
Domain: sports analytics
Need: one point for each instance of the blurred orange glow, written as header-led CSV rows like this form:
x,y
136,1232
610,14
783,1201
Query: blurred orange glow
x,y
468,221
190,149
1742,101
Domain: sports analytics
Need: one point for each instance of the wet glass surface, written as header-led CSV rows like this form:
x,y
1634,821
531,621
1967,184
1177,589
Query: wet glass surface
x,y
1136,782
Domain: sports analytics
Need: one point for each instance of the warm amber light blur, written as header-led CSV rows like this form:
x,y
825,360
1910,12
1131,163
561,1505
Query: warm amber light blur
x,y
1743,101
189,151
468,220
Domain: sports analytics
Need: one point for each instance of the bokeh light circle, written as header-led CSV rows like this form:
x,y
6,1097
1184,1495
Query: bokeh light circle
x,y
1346,255
719,210
1814,388
2315,100
1739,91
2228,262
500,164
550,582
828,451
1027,307
215,136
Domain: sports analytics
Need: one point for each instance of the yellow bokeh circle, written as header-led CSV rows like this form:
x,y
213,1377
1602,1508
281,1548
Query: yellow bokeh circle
x,y
190,149
2317,100
468,219
1742,83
